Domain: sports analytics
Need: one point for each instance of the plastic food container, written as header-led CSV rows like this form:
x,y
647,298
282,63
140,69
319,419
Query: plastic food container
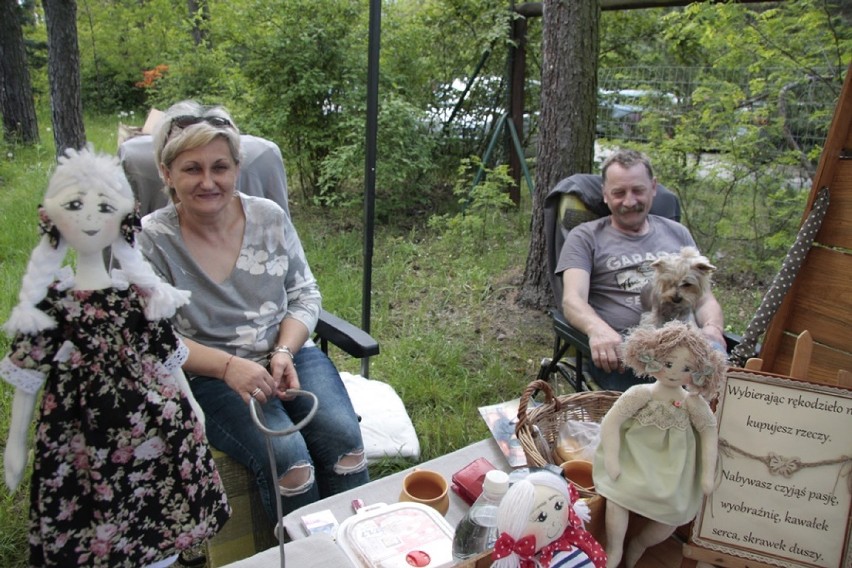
x,y
401,535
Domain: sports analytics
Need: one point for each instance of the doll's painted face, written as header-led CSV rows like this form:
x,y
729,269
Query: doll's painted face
x,y
549,517
89,219
677,368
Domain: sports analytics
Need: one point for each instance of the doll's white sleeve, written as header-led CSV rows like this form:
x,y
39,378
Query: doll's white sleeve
x,y
167,369
700,414
28,380
177,358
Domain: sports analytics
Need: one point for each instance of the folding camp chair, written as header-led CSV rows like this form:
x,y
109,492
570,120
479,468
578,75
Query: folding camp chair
x,y
262,174
574,200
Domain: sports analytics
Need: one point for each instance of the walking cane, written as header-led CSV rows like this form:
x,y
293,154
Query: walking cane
x,y
260,422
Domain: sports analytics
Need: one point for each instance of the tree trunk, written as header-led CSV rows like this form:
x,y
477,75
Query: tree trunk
x,y
569,65
63,72
20,124
199,14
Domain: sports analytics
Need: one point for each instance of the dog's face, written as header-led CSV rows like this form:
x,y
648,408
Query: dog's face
x,y
682,278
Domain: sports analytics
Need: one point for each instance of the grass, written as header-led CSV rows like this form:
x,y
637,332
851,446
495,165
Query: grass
x,y
443,309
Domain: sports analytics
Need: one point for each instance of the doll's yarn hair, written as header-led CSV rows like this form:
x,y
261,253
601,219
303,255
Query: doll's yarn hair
x,y
647,343
518,503
87,169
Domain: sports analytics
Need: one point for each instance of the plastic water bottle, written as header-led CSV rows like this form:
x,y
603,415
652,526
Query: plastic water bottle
x,y
477,531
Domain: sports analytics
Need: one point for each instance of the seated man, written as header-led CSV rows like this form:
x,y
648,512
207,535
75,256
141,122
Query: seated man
x,y
606,262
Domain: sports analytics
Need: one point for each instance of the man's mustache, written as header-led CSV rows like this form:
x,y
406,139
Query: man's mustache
x,y
635,209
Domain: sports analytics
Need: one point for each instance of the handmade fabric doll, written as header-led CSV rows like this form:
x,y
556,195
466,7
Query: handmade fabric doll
x,y
122,475
658,448
540,524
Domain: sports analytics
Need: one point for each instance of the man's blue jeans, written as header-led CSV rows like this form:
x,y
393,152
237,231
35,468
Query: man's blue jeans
x,y
614,380
332,434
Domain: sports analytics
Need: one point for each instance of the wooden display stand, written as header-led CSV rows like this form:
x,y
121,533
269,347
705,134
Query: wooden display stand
x,y
810,337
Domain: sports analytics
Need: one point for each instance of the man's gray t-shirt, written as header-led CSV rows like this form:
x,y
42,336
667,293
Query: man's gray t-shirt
x,y
619,264
270,282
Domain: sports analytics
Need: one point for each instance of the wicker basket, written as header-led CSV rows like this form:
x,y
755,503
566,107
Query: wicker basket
x,y
551,415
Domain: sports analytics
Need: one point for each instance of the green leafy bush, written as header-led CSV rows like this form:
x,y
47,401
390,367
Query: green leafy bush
x,y
405,170
483,194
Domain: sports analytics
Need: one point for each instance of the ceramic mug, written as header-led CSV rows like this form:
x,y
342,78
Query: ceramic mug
x,y
580,472
426,487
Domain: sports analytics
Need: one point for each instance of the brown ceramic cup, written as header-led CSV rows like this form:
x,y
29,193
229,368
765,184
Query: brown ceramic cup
x,y
579,472
426,487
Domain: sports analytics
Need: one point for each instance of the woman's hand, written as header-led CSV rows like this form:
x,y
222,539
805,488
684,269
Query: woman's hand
x,y
249,380
284,373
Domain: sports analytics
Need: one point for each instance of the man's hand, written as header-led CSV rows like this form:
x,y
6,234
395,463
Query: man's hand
x,y
605,345
714,333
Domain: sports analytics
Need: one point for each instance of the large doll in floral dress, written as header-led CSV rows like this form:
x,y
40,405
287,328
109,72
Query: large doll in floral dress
x,y
122,474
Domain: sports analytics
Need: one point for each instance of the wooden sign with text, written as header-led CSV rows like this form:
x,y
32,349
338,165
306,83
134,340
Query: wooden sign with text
x,y
784,493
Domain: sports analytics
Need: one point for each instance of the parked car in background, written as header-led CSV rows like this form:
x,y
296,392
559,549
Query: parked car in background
x,y
621,112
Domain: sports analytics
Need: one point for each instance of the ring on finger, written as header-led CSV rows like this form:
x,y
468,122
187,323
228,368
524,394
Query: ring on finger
x,y
256,392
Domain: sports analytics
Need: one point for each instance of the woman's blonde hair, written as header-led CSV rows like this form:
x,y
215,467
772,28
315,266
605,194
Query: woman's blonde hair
x,y
169,140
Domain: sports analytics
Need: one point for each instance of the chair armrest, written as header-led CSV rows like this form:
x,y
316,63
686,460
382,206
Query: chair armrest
x,y
570,333
344,335
731,340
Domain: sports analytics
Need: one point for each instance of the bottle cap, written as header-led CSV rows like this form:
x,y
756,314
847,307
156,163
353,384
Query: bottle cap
x,y
496,482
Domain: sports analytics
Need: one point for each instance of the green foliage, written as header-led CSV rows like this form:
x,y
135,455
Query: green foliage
x,y
119,41
426,45
633,36
739,132
745,215
306,68
23,177
205,75
483,195
404,160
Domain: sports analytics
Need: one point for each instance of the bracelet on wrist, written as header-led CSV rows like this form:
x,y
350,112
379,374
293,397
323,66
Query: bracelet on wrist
x,y
227,364
281,349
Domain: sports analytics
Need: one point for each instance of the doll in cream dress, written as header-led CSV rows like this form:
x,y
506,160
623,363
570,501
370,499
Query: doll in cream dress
x,y
658,448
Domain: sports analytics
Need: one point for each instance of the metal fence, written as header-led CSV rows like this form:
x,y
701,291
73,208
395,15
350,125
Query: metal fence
x,y
635,102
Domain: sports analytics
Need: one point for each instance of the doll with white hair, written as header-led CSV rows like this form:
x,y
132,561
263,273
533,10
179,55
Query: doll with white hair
x,y
122,475
658,445
540,524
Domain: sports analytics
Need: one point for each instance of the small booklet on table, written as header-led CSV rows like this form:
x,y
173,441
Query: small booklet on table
x,y
501,419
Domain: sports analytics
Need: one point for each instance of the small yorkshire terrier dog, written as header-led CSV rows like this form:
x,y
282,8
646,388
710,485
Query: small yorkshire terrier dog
x,y
678,282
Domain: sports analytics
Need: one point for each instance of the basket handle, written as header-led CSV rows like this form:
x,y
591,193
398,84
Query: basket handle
x,y
529,392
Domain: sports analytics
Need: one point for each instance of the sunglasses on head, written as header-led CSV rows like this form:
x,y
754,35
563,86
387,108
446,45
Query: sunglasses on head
x,y
188,120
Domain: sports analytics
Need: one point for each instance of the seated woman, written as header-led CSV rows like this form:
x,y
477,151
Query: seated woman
x,y
254,305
